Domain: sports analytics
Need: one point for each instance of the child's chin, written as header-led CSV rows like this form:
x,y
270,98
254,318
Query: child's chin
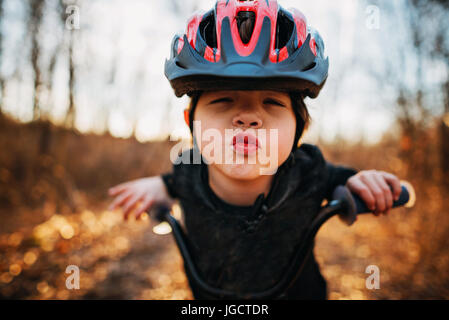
x,y
242,171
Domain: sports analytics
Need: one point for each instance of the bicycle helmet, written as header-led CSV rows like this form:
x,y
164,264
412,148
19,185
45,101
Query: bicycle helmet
x,y
282,54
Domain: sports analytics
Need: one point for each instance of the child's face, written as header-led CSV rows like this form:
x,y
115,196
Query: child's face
x,y
244,113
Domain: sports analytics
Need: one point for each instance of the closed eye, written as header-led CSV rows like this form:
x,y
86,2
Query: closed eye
x,y
274,102
221,100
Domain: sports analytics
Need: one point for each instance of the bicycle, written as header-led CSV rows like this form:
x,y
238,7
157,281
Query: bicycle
x,y
343,203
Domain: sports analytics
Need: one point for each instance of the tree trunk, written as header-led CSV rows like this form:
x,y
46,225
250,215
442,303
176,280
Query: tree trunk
x,y
444,152
37,78
36,10
70,117
2,93
2,80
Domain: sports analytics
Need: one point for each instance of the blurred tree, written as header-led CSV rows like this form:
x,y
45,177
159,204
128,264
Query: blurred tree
x,y
444,125
438,50
46,129
35,11
70,37
418,49
56,53
63,41
2,80
70,116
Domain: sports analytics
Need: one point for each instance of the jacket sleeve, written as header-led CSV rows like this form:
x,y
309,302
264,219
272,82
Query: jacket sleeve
x,y
337,175
170,184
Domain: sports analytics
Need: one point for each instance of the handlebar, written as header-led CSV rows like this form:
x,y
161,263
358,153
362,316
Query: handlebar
x,y
344,203
356,206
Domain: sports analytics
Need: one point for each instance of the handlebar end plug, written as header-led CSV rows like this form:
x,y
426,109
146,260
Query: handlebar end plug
x,y
348,212
160,212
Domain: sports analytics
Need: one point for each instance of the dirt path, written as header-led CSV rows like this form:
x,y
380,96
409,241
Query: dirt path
x,y
117,260
126,260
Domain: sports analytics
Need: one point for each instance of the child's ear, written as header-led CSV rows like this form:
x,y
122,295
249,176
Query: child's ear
x,y
186,117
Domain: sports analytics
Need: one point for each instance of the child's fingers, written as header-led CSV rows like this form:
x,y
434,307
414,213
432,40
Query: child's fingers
x,y
376,191
395,183
145,206
119,201
114,192
388,195
130,204
364,193
118,188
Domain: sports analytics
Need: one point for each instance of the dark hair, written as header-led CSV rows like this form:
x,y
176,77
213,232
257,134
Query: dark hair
x,y
300,108
245,24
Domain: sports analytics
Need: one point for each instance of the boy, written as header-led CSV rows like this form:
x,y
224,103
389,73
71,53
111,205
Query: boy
x,y
247,66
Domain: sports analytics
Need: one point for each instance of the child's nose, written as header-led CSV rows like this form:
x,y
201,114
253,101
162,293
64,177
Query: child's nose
x,y
247,120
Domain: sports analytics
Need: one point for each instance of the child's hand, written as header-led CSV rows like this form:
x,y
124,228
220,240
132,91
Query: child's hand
x,y
147,191
373,187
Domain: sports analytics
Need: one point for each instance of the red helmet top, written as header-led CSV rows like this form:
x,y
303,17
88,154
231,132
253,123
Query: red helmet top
x,y
281,47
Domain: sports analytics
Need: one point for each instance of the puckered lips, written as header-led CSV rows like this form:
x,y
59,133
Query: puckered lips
x,y
245,143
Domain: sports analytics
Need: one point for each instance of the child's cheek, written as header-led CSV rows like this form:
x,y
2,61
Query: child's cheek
x,y
215,143
286,137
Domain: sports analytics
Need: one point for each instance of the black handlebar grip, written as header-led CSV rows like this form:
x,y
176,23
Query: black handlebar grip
x,y
353,205
404,198
159,212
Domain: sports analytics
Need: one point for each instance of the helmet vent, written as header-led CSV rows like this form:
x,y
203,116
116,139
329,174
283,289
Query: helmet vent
x,y
310,67
245,24
207,29
284,29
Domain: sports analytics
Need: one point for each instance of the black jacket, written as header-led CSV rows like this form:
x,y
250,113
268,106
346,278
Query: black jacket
x,y
246,249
